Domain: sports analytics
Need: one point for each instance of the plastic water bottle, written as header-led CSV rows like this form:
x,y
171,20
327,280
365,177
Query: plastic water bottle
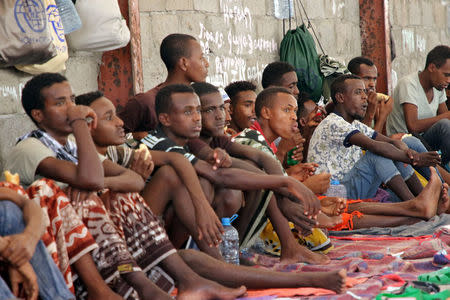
x,y
69,16
229,248
336,189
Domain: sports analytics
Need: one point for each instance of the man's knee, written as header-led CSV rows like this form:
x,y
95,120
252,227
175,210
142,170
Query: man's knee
x,y
443,126
11,218
168,175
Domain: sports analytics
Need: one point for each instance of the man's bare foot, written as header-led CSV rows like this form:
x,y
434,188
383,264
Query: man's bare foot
x,y
333,206
444,201
333,280
426,203
202,289
328,222
296,253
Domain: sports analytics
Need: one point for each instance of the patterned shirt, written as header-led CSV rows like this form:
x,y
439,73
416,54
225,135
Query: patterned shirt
x,y
158,140
330,147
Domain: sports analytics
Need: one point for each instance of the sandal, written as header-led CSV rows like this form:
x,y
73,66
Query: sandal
x,y
441,276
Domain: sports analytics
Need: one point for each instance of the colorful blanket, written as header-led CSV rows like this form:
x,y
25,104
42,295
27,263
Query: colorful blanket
x,y
375,260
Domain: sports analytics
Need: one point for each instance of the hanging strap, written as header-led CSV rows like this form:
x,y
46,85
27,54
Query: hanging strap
x,y
310,24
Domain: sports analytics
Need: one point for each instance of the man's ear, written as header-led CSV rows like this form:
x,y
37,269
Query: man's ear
x,y
231,109
37,115
164,119
266,113
431,67
339,97
183,64
302,122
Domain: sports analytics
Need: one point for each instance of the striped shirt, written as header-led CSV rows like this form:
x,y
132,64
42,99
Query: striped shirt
x,y
158,140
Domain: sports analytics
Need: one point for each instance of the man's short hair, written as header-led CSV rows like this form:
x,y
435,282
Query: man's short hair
x,y
274,71
338,85
163,101
267,97
239,86
438,56
31,92
173,47
354,65
204,88
88,98
302,98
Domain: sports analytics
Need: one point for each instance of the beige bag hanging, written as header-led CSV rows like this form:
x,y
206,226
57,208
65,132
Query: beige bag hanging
x,y
103,27
24,34
57,63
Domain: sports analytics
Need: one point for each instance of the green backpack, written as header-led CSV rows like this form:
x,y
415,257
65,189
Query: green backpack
x,y
298,49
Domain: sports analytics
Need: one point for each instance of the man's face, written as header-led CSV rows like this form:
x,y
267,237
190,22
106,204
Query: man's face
x,y
184,119
109,130
243,112
197,68
289,80
369,75
53,117
213,115
440,78
355,99
283,116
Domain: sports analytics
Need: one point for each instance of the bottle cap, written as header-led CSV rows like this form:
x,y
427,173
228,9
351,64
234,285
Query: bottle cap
x,y
227,221
335,182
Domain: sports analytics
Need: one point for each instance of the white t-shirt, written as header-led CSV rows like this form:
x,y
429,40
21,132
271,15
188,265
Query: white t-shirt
x,y
409,90
330,148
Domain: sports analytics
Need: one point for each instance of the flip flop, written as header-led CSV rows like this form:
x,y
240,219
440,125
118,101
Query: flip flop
x,y
411,292
441,276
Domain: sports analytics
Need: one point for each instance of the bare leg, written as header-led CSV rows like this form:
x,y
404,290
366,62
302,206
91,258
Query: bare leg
x,y
257,278
193,286
176,193
96,286
414,184
291,250
227,202
400,188
144,286
423,206
367,221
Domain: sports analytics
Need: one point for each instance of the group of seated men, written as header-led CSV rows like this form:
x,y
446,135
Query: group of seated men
x,y
98,216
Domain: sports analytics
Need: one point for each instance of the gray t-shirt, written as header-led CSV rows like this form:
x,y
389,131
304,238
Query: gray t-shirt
x,y
409,90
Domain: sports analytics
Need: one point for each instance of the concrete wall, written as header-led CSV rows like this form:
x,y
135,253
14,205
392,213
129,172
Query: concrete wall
x,y
243,36
417,27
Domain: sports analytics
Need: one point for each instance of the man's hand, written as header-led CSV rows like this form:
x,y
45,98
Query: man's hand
x,y
294,212
20,248
385,107
142,162
305,196
75,112
219,158
25,277
208,225
372,101
319,183
424,159
302,171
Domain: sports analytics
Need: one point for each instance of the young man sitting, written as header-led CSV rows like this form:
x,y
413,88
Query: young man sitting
x,y
178,109
336,147
109,131
242,106
279,208
126,251
276,111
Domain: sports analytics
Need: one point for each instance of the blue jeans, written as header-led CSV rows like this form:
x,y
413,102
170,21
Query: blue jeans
x,y
50,280
416,145
363,180
438,137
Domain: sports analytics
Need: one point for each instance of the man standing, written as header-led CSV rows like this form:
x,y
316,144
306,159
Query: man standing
x,y
419,103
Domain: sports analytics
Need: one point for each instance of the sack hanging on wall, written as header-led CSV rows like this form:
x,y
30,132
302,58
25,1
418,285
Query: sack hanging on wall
x,y
298,49
103,27
57,63
24,35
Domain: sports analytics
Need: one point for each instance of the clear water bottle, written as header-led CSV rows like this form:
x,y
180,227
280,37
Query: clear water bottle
x,y
229,248
336,189
69,16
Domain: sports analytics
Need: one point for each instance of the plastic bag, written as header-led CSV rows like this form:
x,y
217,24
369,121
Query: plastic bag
x,y
103,27
24,34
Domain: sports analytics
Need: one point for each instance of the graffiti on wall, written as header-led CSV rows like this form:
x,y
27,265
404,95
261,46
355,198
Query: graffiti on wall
x,y
228,49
